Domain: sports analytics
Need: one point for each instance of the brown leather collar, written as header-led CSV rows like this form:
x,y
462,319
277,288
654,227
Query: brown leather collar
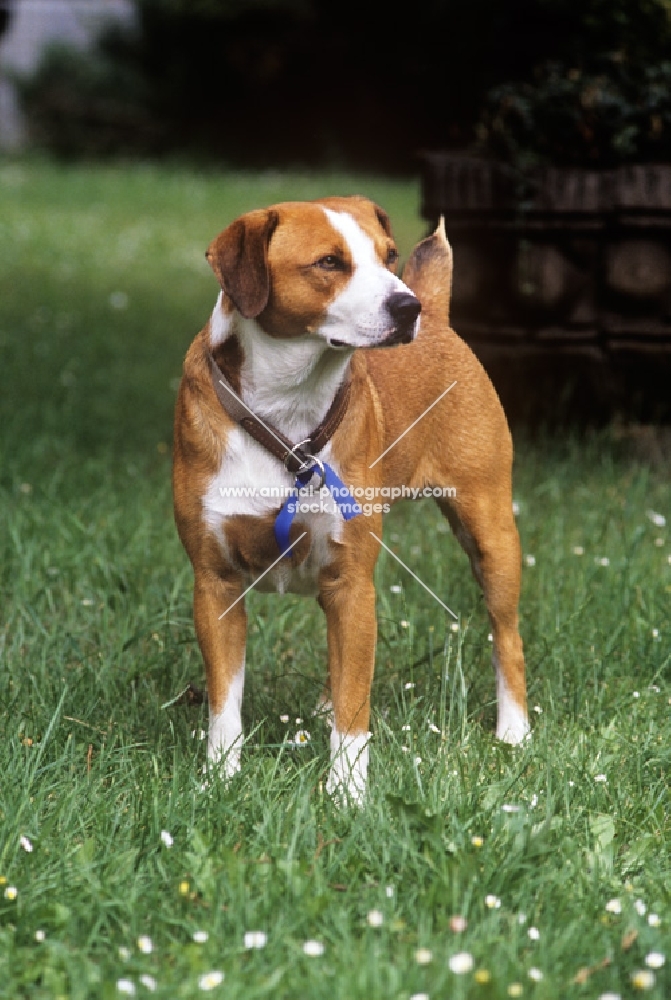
x,y
295,458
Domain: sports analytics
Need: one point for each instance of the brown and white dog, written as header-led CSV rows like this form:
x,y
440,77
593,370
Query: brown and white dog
x,y
309,300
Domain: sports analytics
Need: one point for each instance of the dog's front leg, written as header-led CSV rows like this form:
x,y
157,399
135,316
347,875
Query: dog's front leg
x,y
221,627
351,631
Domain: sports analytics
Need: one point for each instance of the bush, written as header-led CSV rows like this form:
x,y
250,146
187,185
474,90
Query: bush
x,y
93,104
281,82
575,118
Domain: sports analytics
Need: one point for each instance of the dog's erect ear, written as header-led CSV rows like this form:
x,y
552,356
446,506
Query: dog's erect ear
x,y
239,258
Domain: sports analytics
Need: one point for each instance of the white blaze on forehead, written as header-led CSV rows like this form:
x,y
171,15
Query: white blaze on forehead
x,y
359,314
361,246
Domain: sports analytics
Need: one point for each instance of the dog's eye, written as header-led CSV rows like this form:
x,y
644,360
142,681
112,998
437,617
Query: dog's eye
x,y
392,256
331,262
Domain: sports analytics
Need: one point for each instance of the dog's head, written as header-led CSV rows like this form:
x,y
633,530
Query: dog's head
x,y
325,268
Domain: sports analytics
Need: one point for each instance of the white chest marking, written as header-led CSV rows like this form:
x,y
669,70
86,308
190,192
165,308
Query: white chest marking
x,y
252,482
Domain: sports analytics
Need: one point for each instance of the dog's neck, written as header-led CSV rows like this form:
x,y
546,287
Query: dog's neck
x,y
289,382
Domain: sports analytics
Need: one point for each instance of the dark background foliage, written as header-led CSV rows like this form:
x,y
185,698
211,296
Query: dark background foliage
x,y
258,82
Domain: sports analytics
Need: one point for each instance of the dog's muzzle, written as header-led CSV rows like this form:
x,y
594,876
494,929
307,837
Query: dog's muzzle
x,y
403,308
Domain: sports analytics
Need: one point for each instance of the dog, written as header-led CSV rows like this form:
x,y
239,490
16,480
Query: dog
x,y
320,368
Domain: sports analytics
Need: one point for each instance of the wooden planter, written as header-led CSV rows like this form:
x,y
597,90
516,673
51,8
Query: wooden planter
x,y
562,284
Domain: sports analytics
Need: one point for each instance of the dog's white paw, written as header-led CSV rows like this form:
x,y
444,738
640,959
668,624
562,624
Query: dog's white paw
x,y
221,764
513,728
349,768
512,721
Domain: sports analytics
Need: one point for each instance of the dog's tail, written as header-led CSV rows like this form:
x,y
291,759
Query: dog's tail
x,y
428,272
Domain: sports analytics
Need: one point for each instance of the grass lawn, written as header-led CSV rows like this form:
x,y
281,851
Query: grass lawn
x,y
475,870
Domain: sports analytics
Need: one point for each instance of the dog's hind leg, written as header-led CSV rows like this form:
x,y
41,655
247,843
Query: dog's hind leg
x,y
486,530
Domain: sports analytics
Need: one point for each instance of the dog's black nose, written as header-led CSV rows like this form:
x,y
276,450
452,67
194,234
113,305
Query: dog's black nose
x,y
404,308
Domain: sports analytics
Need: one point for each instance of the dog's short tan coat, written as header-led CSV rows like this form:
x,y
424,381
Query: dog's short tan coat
x,y
307,295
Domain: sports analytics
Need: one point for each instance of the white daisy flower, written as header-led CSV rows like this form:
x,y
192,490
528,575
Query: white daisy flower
x,y
200,937
534,934
655,960
145,944
654,920
492,902
313,948
126,986
613,906
149,983
26,845
657,519
255,939
167,838
302,737
210,980
423,956
530,560
461,962
643,979
40,936
375,918
535,974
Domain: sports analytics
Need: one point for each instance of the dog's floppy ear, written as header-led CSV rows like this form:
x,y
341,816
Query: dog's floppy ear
x,y
239,258
384,221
